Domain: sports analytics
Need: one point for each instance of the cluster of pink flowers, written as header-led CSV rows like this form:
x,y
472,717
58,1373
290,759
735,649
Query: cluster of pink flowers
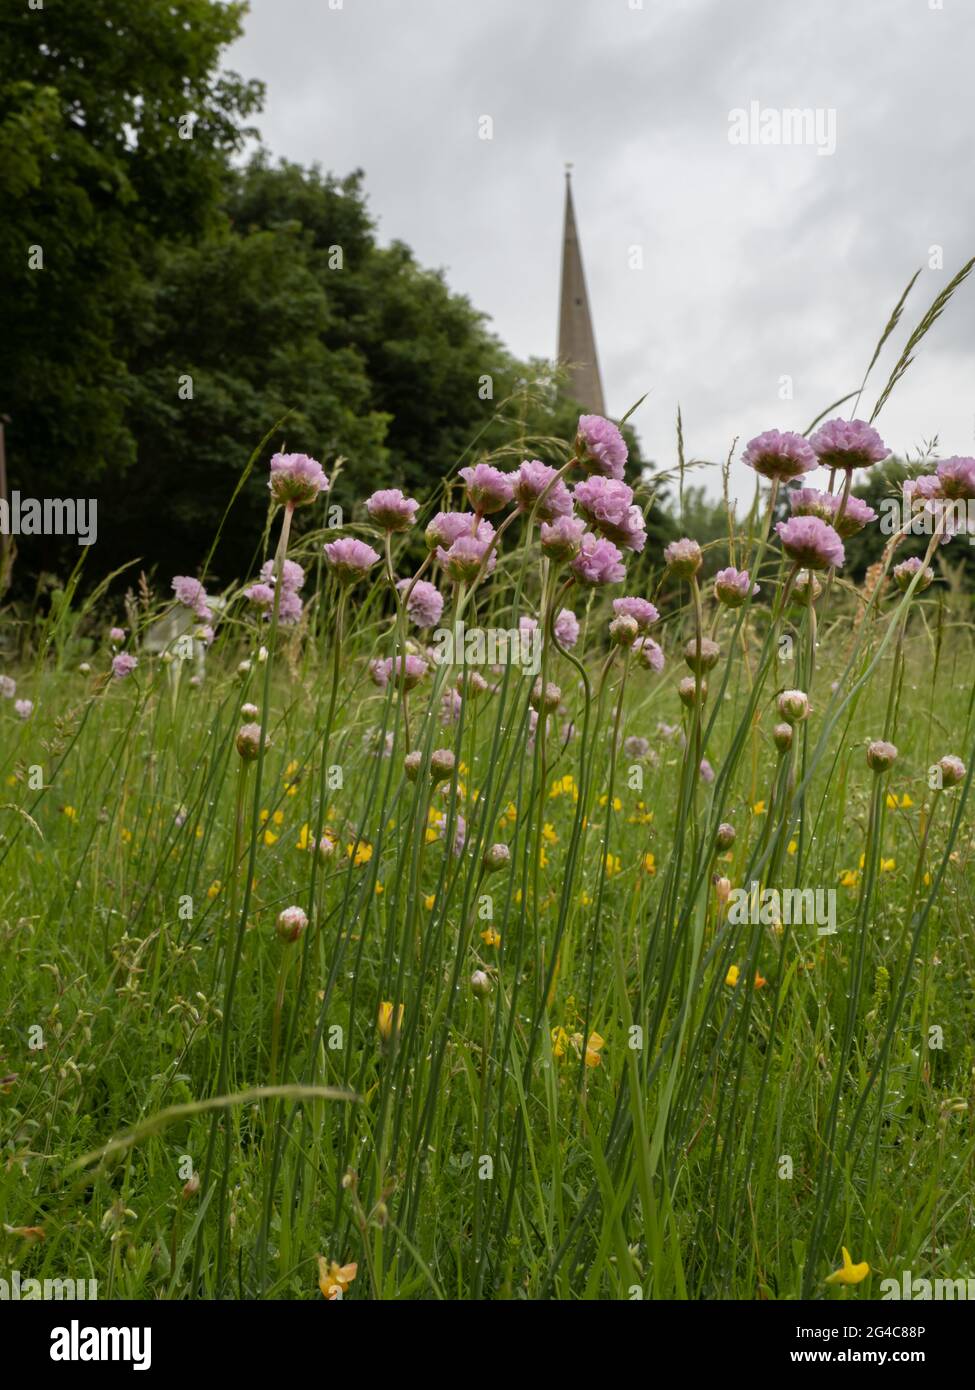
x,y
853,514
261,595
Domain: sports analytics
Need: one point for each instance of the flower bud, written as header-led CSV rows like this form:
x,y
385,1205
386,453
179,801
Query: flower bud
x,y
441,764
800,588
249,711
687,691
881,755
782,737
249,741
411,765
291,922
545,699
85,668
708,657
683,558
480,984
191,1187
624,631
722,890
725,837
794,706
953,770
496,857
907,569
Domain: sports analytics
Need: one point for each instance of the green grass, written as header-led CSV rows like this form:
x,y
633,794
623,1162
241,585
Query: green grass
x,y
728,1139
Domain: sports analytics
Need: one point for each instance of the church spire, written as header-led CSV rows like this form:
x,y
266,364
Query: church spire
x,y
577,343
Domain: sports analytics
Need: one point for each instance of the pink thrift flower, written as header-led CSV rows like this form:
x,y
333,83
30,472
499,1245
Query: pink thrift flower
x,y
641,610
535,479
607,505
390,510
904,573
811,542
566,628
123,664
296,479
8,687
780,455
116,634
349,559
807,501
424,606
488,488
683,558
957,478
446,527
289,608
463,560
450,705
191,594
600,447
732,587
562,538
848,444
23,708
393,668
598,562
649,653
292,575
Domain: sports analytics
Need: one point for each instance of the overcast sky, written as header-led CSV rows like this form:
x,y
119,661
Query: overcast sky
x,y
760,261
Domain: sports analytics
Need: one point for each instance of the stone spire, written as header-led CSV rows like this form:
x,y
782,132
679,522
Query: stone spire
x,y
577,342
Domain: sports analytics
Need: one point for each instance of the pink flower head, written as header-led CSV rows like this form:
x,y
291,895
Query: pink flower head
x,y
409,671
292,575
116,634
600,447
598,562
634,746
460,832
289,607
607,505
349,559
566,628
811,542
445,528
296,479
488,488
640,609
732,587
8,687
450,705
957,478
807,501
535,479
848,444
424,606
904,573
706,771
191,594
123,664
392,511
260,595
780,455
562,538
23,708
463,560
649,653
683,558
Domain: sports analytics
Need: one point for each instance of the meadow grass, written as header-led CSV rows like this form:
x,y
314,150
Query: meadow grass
x,y
640,1095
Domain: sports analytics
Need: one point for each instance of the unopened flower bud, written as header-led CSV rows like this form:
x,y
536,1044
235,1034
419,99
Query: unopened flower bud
x,y
722,890
624,631
249,711
782,737
411,765
191,1187
881,755
496,857
547,698
291,922
480,984
705,659
800,588
725,837
793,706
687,691
249,741
952,769
441,764
683,558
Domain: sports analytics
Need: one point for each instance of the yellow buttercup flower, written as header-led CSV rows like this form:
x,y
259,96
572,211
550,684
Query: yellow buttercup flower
x,y
333,1278
849,1273
759,808
849,878
70,812
385,1020
732,976
359,854
429,900
490,937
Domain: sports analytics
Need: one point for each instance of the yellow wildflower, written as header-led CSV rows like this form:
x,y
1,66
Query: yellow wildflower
x,y
732,976
214,888
333,1278
849,1273
491,937
385,1020
649,864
